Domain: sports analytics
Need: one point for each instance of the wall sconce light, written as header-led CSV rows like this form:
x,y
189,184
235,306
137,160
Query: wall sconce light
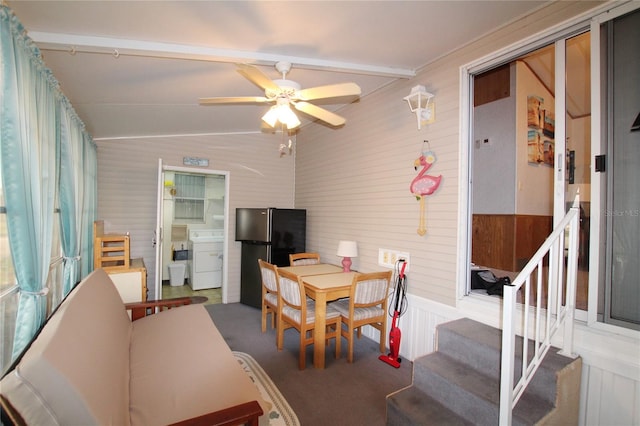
x,y
421,103
347,249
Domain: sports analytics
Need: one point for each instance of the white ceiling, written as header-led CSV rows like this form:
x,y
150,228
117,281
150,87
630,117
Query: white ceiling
x,y
137,68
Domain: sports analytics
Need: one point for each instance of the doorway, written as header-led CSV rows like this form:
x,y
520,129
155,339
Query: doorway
x,y
529,155
192,203
595,152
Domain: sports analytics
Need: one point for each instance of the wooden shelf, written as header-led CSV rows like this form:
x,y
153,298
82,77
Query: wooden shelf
x,y
110,251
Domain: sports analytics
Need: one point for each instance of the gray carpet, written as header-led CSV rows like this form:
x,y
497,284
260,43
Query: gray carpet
x,y
341,394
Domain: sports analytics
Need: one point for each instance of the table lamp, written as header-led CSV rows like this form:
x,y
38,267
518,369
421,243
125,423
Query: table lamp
x,y
347,249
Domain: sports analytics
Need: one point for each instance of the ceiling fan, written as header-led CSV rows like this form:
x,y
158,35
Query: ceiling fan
x,y
285,93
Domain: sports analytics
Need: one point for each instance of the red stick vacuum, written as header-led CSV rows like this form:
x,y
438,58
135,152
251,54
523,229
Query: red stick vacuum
x,y
399,294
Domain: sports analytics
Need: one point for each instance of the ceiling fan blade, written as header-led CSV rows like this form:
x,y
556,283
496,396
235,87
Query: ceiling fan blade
x,y
257,77
329,91
320,113
234,100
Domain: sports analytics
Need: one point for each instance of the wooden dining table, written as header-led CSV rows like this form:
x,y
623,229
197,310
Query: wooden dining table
x,y
325,288
323,283
317,269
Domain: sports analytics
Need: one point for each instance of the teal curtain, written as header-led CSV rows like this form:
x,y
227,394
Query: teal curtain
x,y
71,191
41,142
28,171
77,189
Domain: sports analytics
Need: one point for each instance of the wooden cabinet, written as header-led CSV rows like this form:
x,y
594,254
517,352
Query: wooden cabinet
x,y
507,242
492,85
131,282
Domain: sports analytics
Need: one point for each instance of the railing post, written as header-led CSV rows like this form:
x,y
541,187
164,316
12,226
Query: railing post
x,y
508,349
572,270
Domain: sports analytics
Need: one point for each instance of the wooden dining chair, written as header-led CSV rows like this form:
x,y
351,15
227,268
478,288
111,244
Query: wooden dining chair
x,y
269,274
297,311
366,305
300,259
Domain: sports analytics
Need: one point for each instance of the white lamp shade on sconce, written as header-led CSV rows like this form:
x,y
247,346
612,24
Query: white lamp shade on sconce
x,y
421,103
347,249
418,98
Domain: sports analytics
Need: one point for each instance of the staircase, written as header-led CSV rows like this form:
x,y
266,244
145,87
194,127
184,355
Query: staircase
x,y
459,384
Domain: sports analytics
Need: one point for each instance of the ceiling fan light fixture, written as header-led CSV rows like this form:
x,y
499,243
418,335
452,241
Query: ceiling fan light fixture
x,y
271,117
281,113
288,117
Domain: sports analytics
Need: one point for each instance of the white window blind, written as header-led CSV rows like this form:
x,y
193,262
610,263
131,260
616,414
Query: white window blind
x,y
189,198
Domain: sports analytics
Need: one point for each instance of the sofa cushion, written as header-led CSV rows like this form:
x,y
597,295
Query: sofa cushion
x,y
77,369
181,368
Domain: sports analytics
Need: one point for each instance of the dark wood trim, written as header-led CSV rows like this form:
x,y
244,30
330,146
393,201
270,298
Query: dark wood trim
x,y
142,309
10,415
242,414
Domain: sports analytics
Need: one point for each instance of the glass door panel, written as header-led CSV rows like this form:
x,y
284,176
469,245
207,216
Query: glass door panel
x,y
578,148
621,43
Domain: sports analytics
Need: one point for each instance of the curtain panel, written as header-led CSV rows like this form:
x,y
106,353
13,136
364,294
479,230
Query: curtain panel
x,y
42,147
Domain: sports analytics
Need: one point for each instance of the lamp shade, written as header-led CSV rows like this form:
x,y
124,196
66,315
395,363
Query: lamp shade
x,y
418,98
281,112
271,117
348,249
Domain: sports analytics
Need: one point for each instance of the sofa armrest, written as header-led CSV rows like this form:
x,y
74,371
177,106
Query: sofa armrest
x,y
142,309
241,414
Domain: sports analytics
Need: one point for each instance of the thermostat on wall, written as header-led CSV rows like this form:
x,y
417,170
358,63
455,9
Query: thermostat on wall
x,y
195,161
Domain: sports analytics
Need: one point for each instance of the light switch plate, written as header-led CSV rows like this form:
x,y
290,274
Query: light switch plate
x,y
388,258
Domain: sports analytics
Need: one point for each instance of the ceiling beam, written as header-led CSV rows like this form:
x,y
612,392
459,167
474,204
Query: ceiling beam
x,y
117,46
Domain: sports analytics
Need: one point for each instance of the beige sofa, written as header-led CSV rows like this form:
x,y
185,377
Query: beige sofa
x,y
91,365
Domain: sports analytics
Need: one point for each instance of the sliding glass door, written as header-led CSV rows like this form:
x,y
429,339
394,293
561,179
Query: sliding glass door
x,y
617,168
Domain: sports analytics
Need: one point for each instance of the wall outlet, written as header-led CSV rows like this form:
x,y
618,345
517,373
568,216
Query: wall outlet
x,y
388,258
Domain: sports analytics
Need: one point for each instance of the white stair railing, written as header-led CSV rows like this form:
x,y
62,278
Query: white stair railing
x,y
538,324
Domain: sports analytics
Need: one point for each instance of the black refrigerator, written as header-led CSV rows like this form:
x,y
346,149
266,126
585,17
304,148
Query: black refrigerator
x,y
269,234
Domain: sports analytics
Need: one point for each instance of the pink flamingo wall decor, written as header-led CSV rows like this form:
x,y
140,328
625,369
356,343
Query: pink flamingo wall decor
x,y
423,185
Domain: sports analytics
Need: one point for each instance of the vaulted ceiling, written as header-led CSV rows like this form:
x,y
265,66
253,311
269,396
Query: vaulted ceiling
x,y
578,64
138,68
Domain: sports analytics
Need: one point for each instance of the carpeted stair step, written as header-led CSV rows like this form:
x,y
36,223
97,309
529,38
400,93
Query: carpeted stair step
x,y
475,344
412,407
470,393
479,346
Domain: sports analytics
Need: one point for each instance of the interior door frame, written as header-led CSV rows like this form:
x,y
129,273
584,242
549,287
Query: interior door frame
x,y
158,237
160,218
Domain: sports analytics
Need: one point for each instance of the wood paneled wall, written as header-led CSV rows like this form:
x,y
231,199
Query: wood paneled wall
x,y
507,241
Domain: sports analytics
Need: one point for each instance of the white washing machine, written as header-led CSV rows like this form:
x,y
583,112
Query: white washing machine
x,y
205,258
